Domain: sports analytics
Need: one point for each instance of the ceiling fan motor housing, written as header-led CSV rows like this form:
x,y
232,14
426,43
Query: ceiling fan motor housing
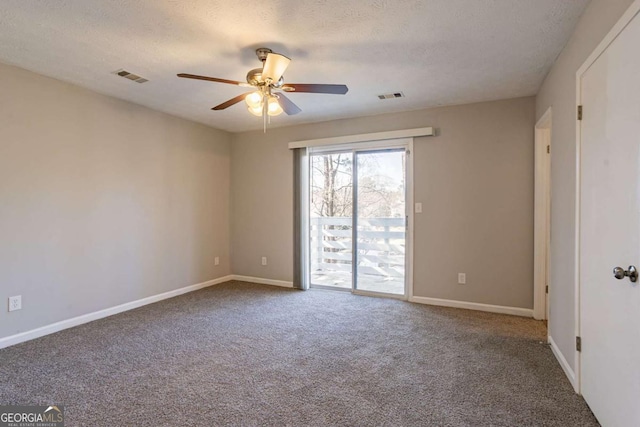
x,y
254,78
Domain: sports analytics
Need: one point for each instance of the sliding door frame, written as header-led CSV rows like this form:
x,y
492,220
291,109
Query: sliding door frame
x,y
372,146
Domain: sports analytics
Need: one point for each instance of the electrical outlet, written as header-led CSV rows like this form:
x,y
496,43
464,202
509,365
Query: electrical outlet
x,y
15,303
216,260
264,260
462,278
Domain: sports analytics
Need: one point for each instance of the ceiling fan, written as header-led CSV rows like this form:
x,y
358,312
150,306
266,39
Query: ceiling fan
x,y
267,97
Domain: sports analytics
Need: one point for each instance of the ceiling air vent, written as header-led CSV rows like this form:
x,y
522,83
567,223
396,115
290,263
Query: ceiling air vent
x,y
130,76
391,95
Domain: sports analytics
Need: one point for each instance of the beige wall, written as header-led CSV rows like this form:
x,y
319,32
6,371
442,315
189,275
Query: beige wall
x,y
475,180
559,92
102,202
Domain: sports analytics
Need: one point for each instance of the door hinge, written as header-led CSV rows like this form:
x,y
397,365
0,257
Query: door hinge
x,y
548,149
579,112
546,289
578,344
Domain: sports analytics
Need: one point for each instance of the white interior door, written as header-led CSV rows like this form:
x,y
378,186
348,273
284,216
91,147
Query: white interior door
x,y
542,217
610,231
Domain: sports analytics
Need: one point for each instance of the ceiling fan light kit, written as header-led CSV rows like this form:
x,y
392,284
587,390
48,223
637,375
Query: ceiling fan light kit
x,y
254,99
256,111
263,102
273,106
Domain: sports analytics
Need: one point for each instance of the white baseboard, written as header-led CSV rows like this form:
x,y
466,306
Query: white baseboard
x,y
86,318
516,311
262,281
563,363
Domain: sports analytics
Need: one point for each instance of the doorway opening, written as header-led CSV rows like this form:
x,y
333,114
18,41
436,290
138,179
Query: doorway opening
x,y
358,219
542,217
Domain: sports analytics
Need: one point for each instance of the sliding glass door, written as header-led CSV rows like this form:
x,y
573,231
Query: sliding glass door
x,y
381,221
331,220
357,220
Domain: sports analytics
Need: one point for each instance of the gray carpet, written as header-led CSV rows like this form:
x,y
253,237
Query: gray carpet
x,y
239,354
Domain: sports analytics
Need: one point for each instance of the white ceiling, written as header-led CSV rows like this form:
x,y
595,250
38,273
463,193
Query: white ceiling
x,y
438,52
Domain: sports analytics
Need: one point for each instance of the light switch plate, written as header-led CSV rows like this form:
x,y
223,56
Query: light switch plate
x,y
418,208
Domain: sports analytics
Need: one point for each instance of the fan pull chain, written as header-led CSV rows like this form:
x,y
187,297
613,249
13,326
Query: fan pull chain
x,y
264,114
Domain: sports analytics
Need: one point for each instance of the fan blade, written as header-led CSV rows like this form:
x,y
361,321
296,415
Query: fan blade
x,y
213,79
315,88
274,67
232,101
287,105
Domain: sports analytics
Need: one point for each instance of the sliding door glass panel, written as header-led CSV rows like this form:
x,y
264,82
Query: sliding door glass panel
x,y
331,220
381,226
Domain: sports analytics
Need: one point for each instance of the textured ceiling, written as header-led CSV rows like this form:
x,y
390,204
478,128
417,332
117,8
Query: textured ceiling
x,y
438,52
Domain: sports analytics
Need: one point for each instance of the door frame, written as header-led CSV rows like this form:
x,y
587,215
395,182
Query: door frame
x,y
542,220
377,145
622,23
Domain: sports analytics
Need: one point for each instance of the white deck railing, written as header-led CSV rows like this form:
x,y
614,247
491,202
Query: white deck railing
x,y
380,246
